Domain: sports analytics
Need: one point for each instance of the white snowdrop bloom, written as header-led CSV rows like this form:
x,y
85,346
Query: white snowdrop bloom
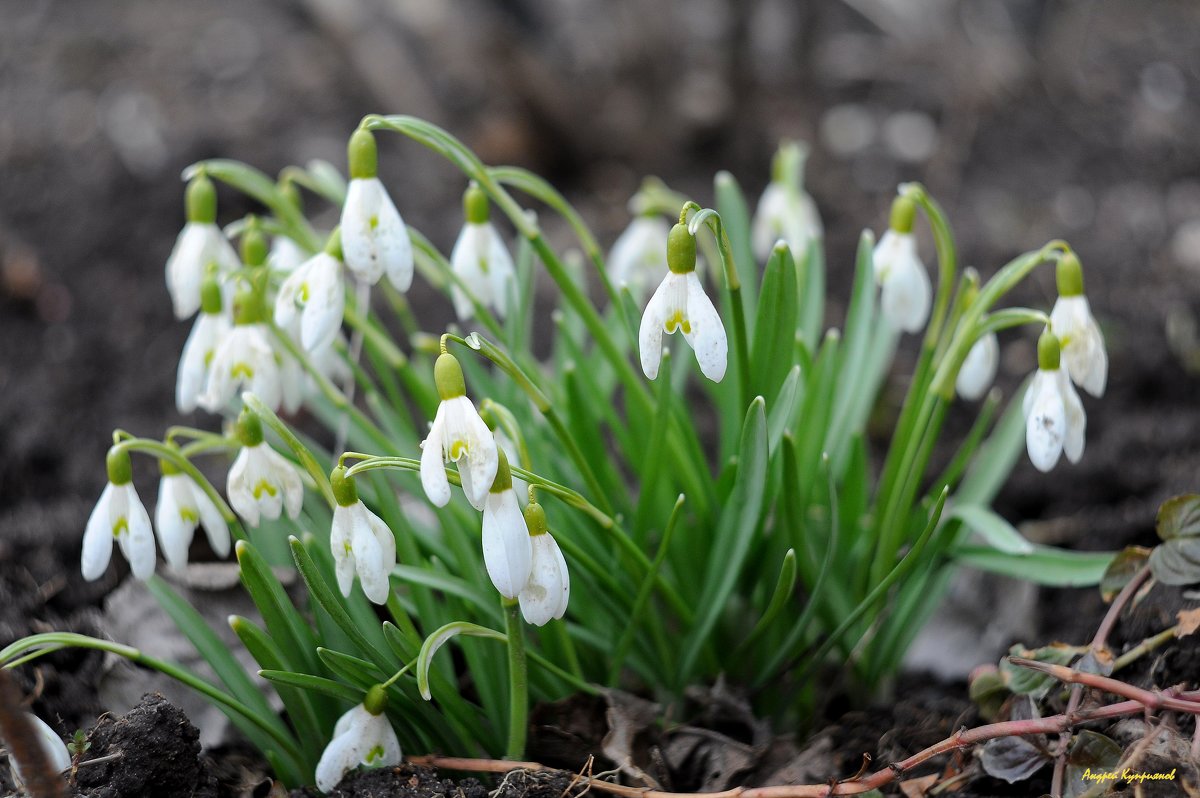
x,y
979,369
907,292
374,239
507,551
1054,418
311,301
200,250
680,303
360,737
638,256
1083,352
285,255
57,754
294,385
244,360
545,595
210,328
361,542
118,515
482,262
788,214
182,506
457,434
262,483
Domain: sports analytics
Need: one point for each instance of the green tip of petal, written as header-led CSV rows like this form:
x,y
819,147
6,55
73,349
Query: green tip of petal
x,y
1069,275
201,201
1049,351
363,155
681,250
119,466
448,377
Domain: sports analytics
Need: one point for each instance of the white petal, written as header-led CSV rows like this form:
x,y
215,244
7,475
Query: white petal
x,y
1083,351
237,488
198,352
216,528
501,272
368,558
374,238
175,518
340,537
385,537
185,268
285,255
507,552
1046,424
545,595
768,224
383,748
339,758
979,369
466,263
706,334
55,749
907,293
286,475
97,538
291,298
653,317
140,546
433,472
464,424
1076,418
322,315
639,254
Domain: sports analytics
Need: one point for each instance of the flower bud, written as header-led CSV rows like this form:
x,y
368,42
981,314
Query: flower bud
x,y
249,429
344,490
254,246
475,204
681,250
201,200
448,377
904,211
119,466
363,155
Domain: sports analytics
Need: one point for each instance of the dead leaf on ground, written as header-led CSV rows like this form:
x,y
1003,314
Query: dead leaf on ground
x,y
1189,622
919,787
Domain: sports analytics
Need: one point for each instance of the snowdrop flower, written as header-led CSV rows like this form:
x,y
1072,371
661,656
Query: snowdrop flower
x,y
245,359
262,483
374,238
544,597
507,551
978,371
119,515
57,755
1054,417
785,210
1083,351
198,351
907,293
362,736
638,256
200,250
458,434
312,298
285,255
361,542
480,260
182,506
680,303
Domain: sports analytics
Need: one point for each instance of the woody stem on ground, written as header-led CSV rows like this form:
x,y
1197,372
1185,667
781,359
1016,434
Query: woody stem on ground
x,y
1099,643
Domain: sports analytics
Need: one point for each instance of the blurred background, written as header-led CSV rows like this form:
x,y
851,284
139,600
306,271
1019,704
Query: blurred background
x,y
1027,120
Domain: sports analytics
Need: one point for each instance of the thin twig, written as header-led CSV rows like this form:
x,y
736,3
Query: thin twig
x,y
24,747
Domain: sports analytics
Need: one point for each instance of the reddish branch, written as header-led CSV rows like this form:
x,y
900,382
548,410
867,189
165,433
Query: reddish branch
x,y
24,745
1139,700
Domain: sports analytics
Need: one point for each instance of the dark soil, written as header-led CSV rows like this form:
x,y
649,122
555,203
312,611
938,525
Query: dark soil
x,y
1051,119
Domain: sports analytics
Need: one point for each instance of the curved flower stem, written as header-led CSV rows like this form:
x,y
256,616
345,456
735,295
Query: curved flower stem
x,y
947,251
518,680
176,457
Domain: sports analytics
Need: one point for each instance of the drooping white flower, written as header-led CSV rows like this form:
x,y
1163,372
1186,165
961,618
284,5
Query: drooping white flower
x,y
311,301
360,737
1083,352
1054,418
285,255
361,542
979,369
545,595
374,238
200,250
638,256
907,292
182,506
680,303
118,515
457,434
784,213
262,483
507,551
198,351
57,755
482,262
244,360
